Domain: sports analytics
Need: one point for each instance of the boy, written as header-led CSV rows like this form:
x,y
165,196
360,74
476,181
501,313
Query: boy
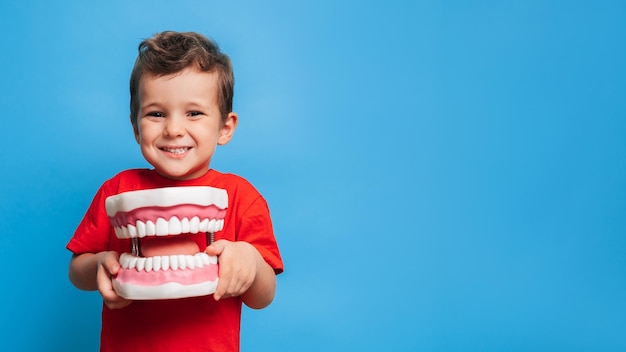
x,y
181,109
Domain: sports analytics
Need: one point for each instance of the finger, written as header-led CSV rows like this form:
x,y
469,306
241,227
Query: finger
x,y
111,263
106,271
105,286
216,248
223,282
240,280
103,278
234,282
117,302
221,289
241,285
109,296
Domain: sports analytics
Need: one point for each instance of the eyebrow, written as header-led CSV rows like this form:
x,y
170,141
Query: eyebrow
x,y
150,106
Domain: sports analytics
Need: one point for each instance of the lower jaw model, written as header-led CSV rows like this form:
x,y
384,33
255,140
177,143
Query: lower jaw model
x,y
163,216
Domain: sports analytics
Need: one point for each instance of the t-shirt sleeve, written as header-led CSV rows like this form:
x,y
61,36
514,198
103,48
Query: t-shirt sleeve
x,y
256,229
92,234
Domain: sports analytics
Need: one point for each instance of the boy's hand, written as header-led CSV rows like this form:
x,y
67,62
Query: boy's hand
x,y
238,267
108,266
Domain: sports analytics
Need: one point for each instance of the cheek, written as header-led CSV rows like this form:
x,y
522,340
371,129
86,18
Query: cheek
x,y
147,133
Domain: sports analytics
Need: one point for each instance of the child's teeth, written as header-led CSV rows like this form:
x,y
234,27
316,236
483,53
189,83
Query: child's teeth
x,y
175,150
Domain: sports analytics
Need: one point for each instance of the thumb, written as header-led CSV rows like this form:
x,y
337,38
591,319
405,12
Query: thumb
x,y
216,248
110,263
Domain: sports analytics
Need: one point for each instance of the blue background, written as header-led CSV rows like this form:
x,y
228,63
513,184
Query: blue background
x,y
442,175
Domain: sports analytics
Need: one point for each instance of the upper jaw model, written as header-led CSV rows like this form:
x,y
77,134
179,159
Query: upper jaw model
x,y
166,213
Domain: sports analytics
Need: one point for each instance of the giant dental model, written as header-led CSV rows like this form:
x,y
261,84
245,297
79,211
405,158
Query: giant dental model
x,y
162,214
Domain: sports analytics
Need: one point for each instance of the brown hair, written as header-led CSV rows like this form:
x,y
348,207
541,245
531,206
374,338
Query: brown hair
x,y
171,52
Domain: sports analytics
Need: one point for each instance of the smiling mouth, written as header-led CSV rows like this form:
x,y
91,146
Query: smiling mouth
x,y
177,150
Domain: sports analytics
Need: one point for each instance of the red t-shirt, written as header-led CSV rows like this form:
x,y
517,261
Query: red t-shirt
x,y
188,324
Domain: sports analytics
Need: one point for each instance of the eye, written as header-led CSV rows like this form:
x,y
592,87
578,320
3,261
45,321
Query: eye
x,y
195,114
155,114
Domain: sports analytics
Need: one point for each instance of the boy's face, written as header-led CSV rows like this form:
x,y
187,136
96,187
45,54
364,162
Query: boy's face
x,y
179,123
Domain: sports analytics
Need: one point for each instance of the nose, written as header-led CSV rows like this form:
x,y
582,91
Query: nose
x,y
174,127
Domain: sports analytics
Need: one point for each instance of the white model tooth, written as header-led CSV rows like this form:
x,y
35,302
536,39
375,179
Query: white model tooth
x,y
119,233
182,262
132,263
213,259
141,264
149,264
220,225
126,233
194,224
162,228
150,228
174,262
132,231
165,263
156,263
140,228
123,263
204,225
124,260
184,225
175,226
191,261
198,259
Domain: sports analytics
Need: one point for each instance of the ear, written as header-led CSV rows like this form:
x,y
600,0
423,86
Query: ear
x,y
135,127
228,129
